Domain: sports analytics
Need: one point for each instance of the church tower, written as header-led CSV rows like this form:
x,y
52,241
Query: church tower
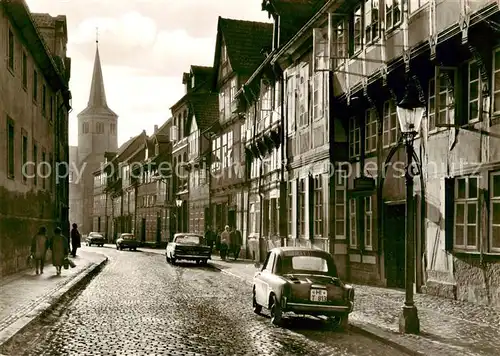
x,y
97,123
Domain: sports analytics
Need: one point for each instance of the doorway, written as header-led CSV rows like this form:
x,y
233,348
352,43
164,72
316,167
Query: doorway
x,y
394,245
158,228
231,217
143,230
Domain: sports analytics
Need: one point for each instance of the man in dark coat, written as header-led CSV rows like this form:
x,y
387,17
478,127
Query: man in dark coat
x,y
237,243
75,240
210,237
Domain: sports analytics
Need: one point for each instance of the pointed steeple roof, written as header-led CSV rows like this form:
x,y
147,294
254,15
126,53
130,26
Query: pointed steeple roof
x,y
97,104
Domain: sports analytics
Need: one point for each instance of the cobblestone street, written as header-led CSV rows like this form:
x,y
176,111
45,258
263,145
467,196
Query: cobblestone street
x,y
140,305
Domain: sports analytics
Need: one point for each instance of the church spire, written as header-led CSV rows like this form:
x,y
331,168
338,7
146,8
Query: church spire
x,y
97,99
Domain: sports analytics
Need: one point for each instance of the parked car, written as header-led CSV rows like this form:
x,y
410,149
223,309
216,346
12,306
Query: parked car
x,y
95,238
303,281
187,246
127,240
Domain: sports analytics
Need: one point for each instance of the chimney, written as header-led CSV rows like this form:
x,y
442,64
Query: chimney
x,y
156,128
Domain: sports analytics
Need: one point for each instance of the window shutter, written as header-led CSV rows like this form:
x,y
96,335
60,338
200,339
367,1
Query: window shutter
x,y
449,212
307,90
375,229
311,207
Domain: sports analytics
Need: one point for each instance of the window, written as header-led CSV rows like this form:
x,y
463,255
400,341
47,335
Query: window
x,y
318,206
371,21
253,220
354,137
368,223
340,204
303,87
302,208
44,100
43,163
266,104
51,108
390,125
392,13
35,85
35,165
416,4
222,104
495,212
234,88
85,127
445,103
290,208
99,127
431,110
353,224
112,129
11,50
317,99
24,149
466,213
474,91
496,81
25,70
371,130
358,30
10,147
224,61
341,43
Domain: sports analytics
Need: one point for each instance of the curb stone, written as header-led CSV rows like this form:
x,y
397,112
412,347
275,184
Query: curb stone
x,y
369,331
47,305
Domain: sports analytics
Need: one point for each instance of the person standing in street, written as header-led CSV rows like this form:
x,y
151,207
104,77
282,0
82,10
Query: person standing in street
x,y
75,240
225,240
39,246
209,237
237,242
232,239
60,249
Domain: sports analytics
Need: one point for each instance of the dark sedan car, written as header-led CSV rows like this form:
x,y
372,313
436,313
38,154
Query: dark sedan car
x,y
303,281
95,238
186,246
127,240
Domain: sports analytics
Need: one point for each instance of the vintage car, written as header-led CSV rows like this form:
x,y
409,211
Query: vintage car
x,y
187,246
303,281
127,240
95,238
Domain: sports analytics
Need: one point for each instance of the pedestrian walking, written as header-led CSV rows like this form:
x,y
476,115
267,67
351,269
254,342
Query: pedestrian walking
x,y
39,246
224,243
232,238
59,247
75,240
210,237
237,243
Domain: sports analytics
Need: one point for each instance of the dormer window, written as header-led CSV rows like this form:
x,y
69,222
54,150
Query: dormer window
x,y
192,81
146,153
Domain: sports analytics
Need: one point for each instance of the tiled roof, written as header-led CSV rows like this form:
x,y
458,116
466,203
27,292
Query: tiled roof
x,y
43,20
162,138
205,108
201,70
245,41
294,14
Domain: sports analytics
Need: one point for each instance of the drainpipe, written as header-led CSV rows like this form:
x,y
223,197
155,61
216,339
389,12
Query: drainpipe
x,y
283,225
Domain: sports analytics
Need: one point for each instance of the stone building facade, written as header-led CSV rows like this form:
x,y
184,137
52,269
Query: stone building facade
x,y
34,108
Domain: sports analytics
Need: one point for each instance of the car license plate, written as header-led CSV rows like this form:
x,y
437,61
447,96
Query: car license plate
x,y
319,295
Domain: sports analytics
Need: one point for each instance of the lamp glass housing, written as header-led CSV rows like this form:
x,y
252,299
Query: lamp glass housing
x,y
178,202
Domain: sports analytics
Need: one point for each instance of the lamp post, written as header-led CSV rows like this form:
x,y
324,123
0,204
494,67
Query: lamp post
x,y
180,215
410,112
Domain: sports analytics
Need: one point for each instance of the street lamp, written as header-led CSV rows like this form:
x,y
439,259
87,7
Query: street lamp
x,y
178,202
180,215
410,112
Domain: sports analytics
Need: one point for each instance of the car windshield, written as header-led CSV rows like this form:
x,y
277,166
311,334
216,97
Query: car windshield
x,y
95,235
307,264
128,237
187,239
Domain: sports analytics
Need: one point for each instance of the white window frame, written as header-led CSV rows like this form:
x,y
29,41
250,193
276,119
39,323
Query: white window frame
x,y
368,233
431,107
477,100
371,130
353,224
415,5
495,87
290,197
302,207
371,21
389,11
493,200
466,202
390,124
303,86
450,106
340,205
317,96
354,137
358,33
340,42
234,89
319,216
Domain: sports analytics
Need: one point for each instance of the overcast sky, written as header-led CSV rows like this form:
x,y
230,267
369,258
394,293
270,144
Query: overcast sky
x,y
145,46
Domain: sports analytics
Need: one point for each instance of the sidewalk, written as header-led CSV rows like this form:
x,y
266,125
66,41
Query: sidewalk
x,y
25,296
447,327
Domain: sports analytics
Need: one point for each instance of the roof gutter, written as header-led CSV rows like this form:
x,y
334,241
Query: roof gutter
x,y
303,30
256,73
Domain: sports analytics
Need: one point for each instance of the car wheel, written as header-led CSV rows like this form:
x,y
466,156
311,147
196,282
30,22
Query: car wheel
x,y
166,257
89,244
340,322
276,313
204,262
117,247
172,259
257,309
